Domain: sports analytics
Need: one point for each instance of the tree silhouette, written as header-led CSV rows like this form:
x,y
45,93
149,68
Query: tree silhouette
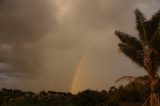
x,y
145,50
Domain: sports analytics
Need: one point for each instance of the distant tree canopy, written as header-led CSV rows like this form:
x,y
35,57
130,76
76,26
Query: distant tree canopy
x,y
113,97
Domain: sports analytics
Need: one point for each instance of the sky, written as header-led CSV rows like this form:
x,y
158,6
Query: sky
x,y
66,45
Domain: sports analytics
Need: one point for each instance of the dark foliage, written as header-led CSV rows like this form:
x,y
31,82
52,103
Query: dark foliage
x,y
148,38
131,93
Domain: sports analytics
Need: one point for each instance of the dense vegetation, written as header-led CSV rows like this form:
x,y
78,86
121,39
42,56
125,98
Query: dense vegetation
x,y
130,93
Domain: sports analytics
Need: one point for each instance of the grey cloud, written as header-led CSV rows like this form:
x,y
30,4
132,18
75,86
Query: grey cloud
x,y
23,24
25,20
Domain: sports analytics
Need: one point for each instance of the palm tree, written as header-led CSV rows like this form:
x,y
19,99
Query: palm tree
x,y
145,50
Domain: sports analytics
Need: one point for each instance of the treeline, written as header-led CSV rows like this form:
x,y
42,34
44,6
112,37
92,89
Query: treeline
x,y
131,93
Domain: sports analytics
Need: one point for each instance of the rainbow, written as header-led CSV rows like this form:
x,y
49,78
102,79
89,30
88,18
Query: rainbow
x,y
79,73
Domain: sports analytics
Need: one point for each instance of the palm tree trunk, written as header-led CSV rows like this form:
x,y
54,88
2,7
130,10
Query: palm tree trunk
x,y
154,82
155,96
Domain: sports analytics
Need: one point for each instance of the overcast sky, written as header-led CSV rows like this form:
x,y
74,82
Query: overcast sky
x,y
66,45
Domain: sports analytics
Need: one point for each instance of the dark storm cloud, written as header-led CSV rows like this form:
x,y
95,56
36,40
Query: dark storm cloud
x,y
22,24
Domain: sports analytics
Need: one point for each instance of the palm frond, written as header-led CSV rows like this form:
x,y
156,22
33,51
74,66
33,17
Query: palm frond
x,y
154,24
155,42
136,56
140,25
125,78
129,40
136,80
151,27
